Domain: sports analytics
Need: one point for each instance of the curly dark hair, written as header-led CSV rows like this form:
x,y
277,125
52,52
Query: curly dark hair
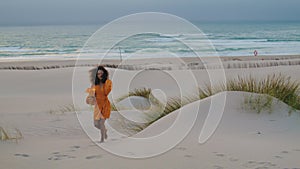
x,y
94,78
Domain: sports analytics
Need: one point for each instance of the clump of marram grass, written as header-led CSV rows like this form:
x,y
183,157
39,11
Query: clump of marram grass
x,y
158,110
258,102
125,126
63,109
113,107
278,86
175,104
178,102
143,92
131,128
4,135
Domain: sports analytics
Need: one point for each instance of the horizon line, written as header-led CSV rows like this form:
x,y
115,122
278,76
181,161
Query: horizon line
x,y
105,22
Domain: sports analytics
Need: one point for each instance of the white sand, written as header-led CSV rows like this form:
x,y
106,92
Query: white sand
x,y
32,101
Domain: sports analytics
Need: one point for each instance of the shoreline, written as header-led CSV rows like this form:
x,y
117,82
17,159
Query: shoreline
x,y
247,57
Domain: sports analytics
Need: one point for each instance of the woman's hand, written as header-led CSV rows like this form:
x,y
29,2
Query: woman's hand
x,y
91,100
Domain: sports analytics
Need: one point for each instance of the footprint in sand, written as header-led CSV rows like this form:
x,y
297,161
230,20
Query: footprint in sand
x,y
76,147
279,157
93,157
188,156
232,159
282,153
217,167
259,165
250,164
57,156
92,145
220,155
22,155
181,148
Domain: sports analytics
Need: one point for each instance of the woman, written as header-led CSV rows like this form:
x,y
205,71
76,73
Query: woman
x,y
102,87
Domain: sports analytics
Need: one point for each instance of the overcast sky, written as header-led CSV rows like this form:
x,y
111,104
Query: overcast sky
x,y
20,12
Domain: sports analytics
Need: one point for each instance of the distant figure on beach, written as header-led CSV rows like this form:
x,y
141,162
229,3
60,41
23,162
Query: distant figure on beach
x,y
101,86
255,52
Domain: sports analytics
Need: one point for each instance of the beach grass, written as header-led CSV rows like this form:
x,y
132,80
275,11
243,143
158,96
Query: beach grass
x,y
63,109
278,86
5,135
258,102
142,92
113,107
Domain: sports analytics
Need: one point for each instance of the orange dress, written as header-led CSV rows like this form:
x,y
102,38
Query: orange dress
x,y
103,104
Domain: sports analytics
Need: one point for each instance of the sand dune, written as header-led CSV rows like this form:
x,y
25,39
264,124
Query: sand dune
x,y
37,103
243,139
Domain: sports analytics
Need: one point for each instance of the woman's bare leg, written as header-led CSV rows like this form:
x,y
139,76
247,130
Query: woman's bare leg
x,y
99,124
102,130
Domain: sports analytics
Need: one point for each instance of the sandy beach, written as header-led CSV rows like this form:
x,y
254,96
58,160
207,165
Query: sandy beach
x,y
37,98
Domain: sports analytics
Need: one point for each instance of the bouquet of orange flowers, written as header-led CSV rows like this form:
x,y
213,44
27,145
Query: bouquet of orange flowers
x,y
90,99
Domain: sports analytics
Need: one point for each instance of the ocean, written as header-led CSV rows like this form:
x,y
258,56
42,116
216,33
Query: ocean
x,y
228,39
